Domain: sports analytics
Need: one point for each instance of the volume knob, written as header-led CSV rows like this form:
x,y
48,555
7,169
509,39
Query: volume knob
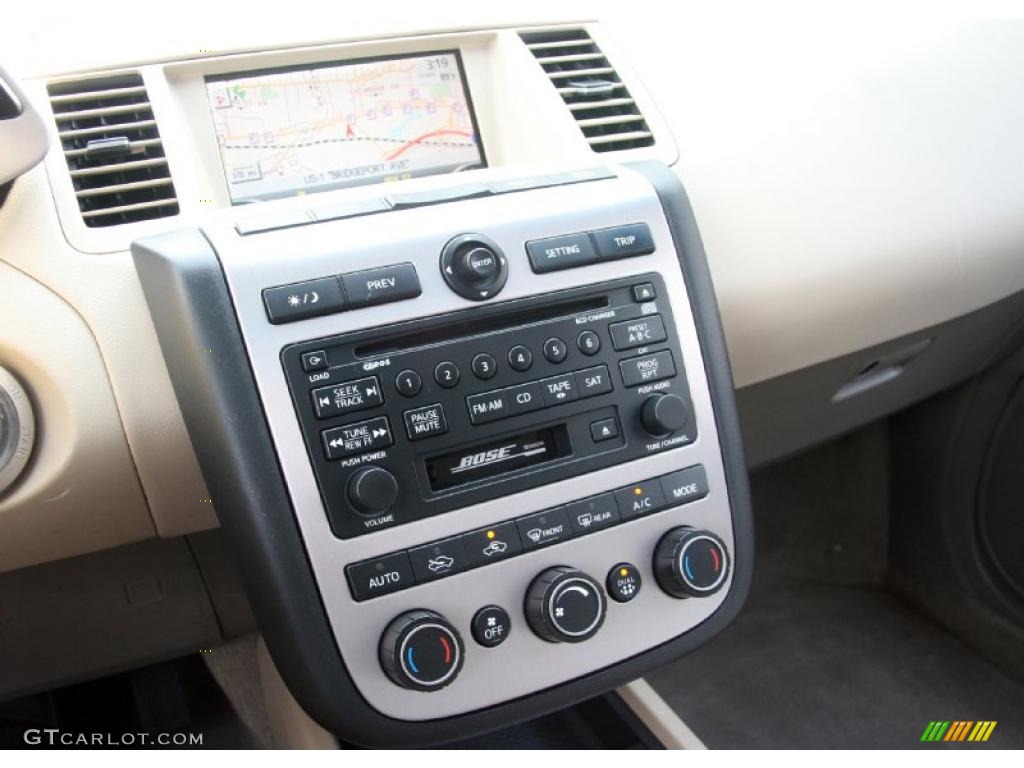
x,y
663,414
372,491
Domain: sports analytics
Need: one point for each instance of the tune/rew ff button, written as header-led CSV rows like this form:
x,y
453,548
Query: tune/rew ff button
x,y
421,650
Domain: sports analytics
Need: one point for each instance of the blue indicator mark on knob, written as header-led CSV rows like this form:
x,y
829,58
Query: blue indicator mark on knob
x,y
410,662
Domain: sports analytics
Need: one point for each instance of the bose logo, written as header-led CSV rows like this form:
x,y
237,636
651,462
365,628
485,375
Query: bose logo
x,y
486,457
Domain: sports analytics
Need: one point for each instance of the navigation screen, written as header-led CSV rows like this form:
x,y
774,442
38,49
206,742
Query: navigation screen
x,y
288,132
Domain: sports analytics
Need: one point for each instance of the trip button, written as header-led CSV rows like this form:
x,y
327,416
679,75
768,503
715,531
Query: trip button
x,y
637,333
647,368
299,301
489,545
639,499
593,514
347,397
488,406
381,285
370,435
591,382
424,422
559,389
622,242
442,558
543,528
555,253
685,485
524,398
380,576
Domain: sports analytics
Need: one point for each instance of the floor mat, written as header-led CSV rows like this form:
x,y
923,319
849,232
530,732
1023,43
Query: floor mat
x,y
812,666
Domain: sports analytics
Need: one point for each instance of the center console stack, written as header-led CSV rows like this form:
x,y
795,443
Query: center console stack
x,y
477,455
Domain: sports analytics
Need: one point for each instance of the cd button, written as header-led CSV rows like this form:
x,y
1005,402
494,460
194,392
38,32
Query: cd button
x,y
524,398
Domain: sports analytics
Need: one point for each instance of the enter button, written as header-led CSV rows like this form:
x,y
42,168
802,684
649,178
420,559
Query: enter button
x,y
685,485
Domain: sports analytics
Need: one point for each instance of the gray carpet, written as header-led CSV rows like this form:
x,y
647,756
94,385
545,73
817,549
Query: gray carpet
x,y
809,666
822,657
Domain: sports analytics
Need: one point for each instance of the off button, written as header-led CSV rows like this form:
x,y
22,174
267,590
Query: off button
x,y
491,625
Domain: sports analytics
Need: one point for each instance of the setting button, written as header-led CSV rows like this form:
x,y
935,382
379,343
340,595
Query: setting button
x,y
520,358
559,389
544,528
588,342
637,333
639,499
489,545
685,485
347,397
491,625
381,285
314,361
593,514
427,421
489,406
408,383
621,242
380,576
623,582
647,368
565,252
361,437
593,381
298,301
555,350
442,558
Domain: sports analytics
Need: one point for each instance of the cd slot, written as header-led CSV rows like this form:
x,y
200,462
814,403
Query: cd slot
x,y
460,329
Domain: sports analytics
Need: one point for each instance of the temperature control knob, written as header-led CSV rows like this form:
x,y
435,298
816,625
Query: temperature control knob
x,y
474,267
565,605
421,650
690,563
372,491
663,414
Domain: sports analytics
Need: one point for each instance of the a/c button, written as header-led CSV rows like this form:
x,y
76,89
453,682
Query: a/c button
x,y
639,499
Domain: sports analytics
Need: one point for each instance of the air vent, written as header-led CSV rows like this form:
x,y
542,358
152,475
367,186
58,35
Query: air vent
x,y
113,150
600,103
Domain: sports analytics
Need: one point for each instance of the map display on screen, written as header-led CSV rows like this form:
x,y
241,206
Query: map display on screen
x,y
288,132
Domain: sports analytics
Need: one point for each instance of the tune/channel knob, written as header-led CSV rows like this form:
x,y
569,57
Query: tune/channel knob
x,y
663,414
372,491
690,562
474,267
421,650
565,605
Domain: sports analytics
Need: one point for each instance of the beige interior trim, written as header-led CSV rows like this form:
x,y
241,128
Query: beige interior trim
x,y
290,726
658,716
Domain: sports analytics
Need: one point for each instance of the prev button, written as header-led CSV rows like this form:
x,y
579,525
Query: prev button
x,y
381,285
370,435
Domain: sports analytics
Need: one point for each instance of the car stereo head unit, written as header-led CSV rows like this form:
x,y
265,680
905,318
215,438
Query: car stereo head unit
x,y
463,430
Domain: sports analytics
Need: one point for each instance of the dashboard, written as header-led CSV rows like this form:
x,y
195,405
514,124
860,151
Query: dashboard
x,y
393,195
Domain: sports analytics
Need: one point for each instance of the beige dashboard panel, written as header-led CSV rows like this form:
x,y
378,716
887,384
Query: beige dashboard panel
x,y
105,293
79,492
